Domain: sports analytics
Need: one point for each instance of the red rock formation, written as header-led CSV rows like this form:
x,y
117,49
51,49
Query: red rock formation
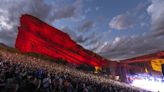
x,y
39,37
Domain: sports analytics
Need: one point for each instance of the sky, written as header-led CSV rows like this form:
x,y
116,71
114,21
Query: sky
x,y
114,29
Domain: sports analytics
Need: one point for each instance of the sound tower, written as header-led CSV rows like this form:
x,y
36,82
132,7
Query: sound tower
x,y
163,69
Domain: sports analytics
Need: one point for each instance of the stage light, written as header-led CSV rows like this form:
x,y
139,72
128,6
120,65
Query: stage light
x,y
155,84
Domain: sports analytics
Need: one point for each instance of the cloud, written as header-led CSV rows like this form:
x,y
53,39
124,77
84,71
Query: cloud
x,y
68,11
150,42
11,10
70,32
79,37
122,21
131,46
119,48
126,47
86,26
7,37
156,12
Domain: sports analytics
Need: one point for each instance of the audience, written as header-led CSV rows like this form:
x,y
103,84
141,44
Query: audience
x,y
19,73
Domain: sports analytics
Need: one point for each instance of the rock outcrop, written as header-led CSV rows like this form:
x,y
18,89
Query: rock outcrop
x,y
36,36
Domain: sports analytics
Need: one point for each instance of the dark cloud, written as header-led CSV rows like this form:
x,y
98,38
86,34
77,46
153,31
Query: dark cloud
x,y
86,26
81,39
11,10
86,40
125,47
156,12
82,34
70,32
78,37
8,37
67,11
133,18
122,21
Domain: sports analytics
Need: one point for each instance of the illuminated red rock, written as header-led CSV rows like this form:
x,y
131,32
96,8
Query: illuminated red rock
x,y
36,36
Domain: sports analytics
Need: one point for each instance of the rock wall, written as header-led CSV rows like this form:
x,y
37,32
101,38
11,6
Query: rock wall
x,y
36,36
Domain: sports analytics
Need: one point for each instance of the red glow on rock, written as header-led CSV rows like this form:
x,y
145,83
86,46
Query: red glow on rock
x,y
39,37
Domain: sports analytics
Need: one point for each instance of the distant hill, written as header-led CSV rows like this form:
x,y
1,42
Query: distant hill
x,y
2,45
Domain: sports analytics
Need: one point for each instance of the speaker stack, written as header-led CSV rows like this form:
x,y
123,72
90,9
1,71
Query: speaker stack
x,y
163,69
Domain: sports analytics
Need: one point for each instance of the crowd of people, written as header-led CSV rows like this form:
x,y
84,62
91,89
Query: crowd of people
x,y
19,73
